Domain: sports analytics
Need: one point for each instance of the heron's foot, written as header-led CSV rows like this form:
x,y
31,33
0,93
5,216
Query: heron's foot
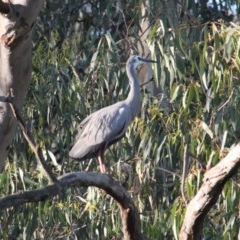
x,y
102,165
103,168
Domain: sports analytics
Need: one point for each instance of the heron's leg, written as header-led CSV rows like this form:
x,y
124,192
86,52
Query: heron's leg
x,y
101,161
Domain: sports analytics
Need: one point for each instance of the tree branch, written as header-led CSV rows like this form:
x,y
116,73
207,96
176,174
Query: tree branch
x,y
31,142
130,217
4,8
129,214
28,136
213,183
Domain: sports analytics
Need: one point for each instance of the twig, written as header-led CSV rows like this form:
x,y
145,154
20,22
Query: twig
x,y
74,70
145,83
184,173
224,104
167,171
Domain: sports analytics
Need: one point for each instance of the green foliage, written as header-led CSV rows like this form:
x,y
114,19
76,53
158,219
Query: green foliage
x,y
76,71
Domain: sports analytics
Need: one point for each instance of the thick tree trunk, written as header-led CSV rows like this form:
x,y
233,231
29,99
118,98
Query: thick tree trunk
x,y
16,23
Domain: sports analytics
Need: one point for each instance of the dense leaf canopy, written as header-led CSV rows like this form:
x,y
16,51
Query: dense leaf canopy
x,y
80,50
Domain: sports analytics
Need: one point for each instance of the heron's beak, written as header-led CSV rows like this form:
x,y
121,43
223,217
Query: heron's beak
x,y
147,60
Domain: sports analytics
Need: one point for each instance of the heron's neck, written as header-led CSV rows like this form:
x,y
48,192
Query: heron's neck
x,y
133,98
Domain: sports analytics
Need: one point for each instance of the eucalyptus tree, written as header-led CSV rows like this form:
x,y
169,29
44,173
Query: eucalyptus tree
x,y
17,20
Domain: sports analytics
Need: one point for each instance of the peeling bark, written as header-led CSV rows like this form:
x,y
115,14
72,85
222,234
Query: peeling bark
x,y
15,61
213,183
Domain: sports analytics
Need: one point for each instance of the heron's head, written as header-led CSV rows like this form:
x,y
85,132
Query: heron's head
x,y
135,61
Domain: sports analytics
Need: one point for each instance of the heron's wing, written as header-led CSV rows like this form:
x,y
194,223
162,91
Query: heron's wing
x,y
106,124
82,125
111,123
101,128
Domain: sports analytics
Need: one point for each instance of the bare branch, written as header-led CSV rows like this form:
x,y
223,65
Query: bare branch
x,y
28,136
184,174
213,183
4,8
31,142
130,217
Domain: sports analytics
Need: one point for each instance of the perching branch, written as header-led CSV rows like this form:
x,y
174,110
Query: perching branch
x,y
213,183
130,217
129,214
4,8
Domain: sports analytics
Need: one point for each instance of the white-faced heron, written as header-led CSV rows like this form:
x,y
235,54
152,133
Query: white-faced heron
x,y
106,126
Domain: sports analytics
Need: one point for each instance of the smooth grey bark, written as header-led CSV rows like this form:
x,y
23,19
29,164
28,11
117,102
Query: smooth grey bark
x,y
213,183
146,72
146,75
15,61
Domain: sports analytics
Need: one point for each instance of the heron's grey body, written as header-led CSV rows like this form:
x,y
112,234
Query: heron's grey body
x,y
108,125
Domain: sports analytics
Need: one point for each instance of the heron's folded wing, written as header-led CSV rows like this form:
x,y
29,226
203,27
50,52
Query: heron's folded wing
x,y
101,128
110,124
